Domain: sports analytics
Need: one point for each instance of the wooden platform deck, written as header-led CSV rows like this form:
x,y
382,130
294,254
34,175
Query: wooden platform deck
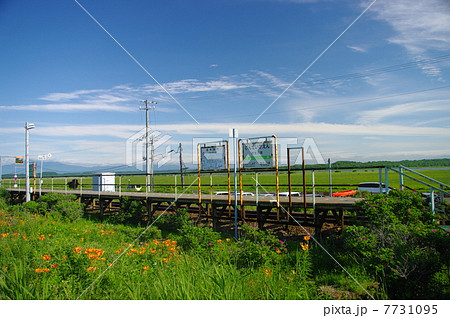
x,y
260,209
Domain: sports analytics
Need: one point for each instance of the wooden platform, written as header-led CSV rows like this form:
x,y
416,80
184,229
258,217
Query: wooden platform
x,y
260,209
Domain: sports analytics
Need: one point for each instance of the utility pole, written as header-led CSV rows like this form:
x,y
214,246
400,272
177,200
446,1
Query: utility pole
x,y
147,142
28,126
181,165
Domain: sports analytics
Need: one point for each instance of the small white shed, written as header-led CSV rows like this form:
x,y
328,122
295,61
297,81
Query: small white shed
x,y
104,181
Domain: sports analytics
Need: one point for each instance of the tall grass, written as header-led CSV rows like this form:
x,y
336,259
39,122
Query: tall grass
x,y
43,257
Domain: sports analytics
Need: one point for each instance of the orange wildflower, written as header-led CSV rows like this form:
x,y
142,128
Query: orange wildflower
x,y
227,240
91,268
304,246
42,270
219,241
46,257
307,237
268,272
145,268
164,259
77,249
54,266
278,251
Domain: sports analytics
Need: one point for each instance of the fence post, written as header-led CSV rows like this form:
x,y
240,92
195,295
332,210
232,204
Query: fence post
x,y
432,200
176,194
256,190
400,173
386,179
313,191
329,177
380,179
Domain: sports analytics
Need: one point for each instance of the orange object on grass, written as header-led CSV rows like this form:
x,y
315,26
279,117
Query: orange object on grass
x,y
344,193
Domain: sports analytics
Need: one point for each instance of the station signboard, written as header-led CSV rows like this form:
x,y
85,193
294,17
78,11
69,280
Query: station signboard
x,y
213,158
258,155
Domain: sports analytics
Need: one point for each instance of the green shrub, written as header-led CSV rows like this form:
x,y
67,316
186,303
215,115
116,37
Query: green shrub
x,y
257,247
69,210
400,244
5,195
131,212
199,239
3,205
66,206
34,207
172,222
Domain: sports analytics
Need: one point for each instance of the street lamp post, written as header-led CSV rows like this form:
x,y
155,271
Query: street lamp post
x,y
28,126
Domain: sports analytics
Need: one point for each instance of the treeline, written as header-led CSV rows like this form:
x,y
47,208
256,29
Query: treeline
x,y
423,163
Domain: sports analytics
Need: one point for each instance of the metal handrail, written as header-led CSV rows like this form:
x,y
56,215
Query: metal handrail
x,y
422,182
426,177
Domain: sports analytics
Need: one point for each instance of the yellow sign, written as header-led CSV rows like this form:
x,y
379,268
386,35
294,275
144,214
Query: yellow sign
x,y
19,160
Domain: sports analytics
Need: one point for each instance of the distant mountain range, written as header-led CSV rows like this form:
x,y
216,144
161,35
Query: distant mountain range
x,y
58,168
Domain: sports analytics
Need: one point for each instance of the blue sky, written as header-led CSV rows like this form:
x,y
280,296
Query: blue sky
x,y
381,91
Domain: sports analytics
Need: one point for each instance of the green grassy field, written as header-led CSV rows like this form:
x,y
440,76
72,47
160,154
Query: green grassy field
x,y
341,180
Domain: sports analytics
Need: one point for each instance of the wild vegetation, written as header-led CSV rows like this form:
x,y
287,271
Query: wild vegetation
x,y
50,251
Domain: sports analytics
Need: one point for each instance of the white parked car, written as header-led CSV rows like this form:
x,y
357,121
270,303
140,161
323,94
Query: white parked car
x,y
232,193
293,194
373,187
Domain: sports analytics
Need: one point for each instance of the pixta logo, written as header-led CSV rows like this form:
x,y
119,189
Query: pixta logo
x,y
311,151
136,149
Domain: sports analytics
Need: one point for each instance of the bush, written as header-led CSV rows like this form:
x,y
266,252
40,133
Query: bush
x,y
131,212
4,195
34,207
400,244
65,206
172,222
257,247
3,205
199,239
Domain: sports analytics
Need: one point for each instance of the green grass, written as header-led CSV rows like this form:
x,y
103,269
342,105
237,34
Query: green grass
x,y
46,258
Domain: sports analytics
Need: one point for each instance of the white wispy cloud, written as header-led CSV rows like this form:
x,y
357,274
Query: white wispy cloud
x,y
358,49
215,129
420,26
67,107
402,110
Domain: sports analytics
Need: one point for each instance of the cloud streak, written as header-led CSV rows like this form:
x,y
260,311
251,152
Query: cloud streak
x,y
420,27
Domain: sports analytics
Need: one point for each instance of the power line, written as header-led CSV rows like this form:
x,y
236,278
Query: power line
x,y
342,103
